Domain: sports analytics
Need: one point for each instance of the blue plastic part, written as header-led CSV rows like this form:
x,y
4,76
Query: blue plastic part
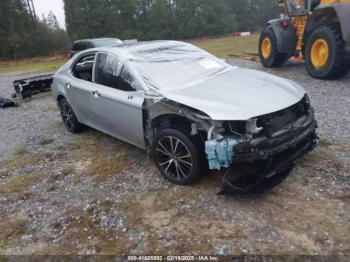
x,y
220,154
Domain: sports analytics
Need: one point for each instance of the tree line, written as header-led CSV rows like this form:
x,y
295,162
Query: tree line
x,y
165,19
23,34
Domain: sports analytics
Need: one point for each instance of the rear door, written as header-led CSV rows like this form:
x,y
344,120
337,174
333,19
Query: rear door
x,y
117,104
79,86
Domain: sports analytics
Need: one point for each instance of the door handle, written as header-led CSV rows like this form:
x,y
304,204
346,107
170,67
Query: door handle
x,y
130,97
96,94
68,85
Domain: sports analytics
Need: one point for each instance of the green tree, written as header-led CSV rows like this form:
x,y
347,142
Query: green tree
x,y
20,38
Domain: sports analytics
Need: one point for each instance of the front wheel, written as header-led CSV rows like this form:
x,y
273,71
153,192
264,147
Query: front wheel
x,y
268,49
325,53
177,156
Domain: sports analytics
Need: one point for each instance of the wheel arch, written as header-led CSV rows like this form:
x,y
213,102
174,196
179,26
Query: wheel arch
x,y
60,97
286,37
336,14
170,120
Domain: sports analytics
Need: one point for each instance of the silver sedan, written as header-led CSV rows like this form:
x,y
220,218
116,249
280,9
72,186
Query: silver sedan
x,y
190,110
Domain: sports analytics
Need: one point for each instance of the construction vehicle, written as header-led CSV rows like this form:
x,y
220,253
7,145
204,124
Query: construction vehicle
x,y
316,30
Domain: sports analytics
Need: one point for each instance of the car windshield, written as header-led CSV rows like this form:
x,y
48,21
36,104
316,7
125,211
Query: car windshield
x,y
172,67
107,42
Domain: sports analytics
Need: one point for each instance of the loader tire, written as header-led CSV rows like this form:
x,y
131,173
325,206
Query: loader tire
x,y
325,53
268,49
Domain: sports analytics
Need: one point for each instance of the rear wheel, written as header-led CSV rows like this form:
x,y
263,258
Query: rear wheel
x,y
69,118
178,156
325,53
268,49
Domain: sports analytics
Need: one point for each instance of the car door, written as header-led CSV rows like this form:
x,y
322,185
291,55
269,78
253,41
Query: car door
x,y
79,87
117,105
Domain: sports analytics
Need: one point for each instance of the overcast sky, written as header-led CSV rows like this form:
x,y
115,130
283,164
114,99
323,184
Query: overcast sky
x,y
45,6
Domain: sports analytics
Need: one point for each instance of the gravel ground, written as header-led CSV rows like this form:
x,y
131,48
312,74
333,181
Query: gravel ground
x,y
92,194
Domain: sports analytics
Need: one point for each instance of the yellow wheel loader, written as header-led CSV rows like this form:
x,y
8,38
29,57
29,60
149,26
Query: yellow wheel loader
x,y
317,30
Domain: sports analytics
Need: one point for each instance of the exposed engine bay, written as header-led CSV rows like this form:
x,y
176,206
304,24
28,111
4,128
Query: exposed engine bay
x,y
262,150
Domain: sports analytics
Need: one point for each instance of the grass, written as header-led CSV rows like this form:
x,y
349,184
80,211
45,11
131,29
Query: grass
x,y
14,228
99,161
20,184
31,66
224,47
21,158
45,142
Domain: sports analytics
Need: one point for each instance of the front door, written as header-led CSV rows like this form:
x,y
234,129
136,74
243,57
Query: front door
x,y
117,105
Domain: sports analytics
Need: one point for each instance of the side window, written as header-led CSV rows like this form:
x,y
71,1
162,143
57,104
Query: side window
x,y
83,68
108,73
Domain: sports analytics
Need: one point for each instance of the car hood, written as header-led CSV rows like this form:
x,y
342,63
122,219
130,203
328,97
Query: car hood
x,y
239,94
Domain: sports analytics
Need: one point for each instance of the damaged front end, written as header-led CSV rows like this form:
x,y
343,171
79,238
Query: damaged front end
x,y
262,150
256,153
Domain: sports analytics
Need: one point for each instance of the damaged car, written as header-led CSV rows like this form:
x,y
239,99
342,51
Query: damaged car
x,y
190,110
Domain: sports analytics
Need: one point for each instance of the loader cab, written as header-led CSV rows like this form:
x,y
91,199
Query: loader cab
x,y
296,8
316,30
312,4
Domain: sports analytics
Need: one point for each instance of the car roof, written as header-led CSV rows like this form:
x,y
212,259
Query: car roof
x,y
128,49
92,40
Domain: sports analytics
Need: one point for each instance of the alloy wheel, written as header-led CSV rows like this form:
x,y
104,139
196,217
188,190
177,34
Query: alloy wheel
x,y
174,158
66,114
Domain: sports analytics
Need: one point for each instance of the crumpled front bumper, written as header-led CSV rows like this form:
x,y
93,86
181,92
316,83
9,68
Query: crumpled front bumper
x,y
264,148
26,88
267,161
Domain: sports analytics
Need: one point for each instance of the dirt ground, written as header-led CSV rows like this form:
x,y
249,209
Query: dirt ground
x,y
92,194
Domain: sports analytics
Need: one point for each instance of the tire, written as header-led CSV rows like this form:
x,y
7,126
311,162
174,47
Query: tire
x,y
178,156
273,58
332,65
69,118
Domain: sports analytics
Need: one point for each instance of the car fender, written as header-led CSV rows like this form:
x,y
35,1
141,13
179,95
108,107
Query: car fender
x,y
58,90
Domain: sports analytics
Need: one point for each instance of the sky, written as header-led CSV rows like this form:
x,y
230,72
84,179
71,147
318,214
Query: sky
x,y
45,6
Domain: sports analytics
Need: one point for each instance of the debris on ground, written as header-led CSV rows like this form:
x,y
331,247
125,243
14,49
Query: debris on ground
x,y
5,102
247,56
26,88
